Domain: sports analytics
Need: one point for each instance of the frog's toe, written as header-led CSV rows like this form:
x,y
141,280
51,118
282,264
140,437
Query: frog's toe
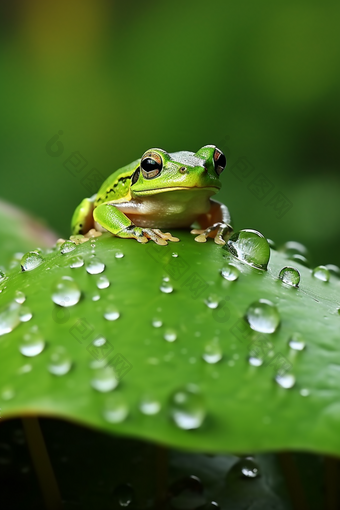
x,y
202,238
196,231
152,234
166,235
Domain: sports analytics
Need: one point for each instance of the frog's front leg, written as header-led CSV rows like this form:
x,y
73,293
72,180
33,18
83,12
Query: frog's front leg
x,y
116,222
217,218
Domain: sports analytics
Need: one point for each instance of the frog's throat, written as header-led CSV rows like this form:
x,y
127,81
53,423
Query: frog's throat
x,y
212,189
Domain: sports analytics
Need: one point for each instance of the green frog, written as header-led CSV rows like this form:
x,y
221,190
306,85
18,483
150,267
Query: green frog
x,y
158,192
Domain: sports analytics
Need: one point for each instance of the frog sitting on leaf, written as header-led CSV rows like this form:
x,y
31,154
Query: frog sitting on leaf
x,y
159,191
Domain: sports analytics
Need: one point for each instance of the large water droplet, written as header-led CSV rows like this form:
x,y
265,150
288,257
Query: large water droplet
x,y
25,314
9,318
285,380
149,405
76,262
67,246
116,408
321,273
104,379
166,287
170,335
187,407
297,342
95,266
103,282
124,495
111,313
230,273
263,316
290,276
66,292
32,344
19,297
31,260
212,351
251,247
60,361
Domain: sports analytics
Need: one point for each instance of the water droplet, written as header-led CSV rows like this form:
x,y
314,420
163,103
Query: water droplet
x,y
296,342
104,379
95,297
157,323
255,361
212,351
59,361
116,408
187,407
95,266
166,287
25,314
19,297
290,276
212,302
111,313
304,392
296,257
174,254
9,318
32,344
2,275
285,380
119,255
124,494
230,273
333,269
7,393
251,247
30,261
248,468
25,369
294,248
103,282
149,405
66,292
321,273
76,262
170,335
67,246
263,316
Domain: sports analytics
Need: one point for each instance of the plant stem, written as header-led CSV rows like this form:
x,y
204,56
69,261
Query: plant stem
x,y
42,464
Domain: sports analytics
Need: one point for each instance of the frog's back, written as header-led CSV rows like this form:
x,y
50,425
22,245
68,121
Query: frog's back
x,y
117,185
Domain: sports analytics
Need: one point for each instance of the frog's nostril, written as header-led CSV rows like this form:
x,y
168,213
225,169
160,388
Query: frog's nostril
x,y
182,170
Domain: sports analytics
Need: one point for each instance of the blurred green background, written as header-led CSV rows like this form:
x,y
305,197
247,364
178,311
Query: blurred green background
x,y
259,79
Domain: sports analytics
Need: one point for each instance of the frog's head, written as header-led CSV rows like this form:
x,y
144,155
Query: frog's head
x,y
160,171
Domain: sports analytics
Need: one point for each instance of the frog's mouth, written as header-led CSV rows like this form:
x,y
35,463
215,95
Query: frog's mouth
x,y
212,189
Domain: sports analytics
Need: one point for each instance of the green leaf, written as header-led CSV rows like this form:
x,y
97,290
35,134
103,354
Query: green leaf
x,y
241,406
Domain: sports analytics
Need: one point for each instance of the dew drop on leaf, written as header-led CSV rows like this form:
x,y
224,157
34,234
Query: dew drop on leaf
x,y
170,335
111,313
32,344
103,282
157,323
230,273
212,302
116,408
104,379
332,268
296,342
290,276
59,361
285,380
9,318
149,405
321,273
166,287
95,266
67,247
187,407
19,297
251,247
212,351
66,292
263,316
30,261
25,314
119,255
76,262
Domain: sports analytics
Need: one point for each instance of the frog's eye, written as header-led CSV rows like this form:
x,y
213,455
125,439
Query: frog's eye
x,y
220,161
151,165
